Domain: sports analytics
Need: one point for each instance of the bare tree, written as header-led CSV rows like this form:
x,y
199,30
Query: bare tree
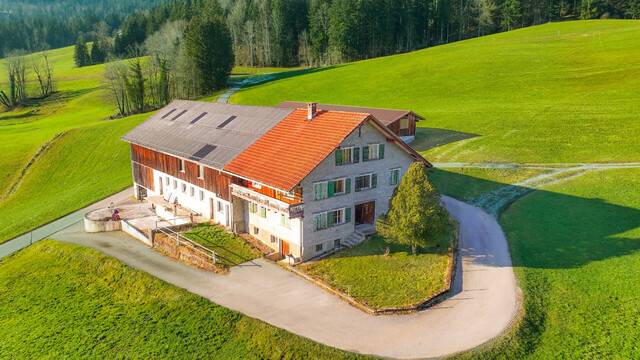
x,y
44,72
114,73
17,70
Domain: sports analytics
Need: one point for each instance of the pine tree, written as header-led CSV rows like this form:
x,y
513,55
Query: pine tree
x,y
208,46
415,216
81,54
511,14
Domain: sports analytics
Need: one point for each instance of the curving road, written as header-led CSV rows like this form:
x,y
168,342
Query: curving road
x,y
484,304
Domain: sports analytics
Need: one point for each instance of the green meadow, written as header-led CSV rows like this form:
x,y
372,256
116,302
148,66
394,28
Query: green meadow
x,y
560,92
67,301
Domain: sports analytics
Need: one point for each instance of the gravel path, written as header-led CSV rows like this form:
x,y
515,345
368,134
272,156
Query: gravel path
x,y
484,303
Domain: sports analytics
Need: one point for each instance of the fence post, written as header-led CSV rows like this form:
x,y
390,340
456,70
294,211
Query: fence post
x,y
214,257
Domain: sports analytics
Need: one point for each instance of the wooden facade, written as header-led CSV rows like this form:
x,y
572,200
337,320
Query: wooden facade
x,y
410,131
144,160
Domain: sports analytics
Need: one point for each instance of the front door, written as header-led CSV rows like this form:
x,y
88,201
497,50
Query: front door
x,y
365,213
285,248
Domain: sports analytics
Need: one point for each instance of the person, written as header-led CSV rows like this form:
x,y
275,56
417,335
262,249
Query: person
x,y
116,215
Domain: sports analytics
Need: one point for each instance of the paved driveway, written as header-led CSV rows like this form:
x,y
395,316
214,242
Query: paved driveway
x,y
484,304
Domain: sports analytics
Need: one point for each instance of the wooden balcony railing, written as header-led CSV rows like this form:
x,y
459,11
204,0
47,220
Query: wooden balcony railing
x,y
293,210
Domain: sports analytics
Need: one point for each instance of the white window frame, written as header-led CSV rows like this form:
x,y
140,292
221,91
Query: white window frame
x,y
175,184
201,195
192,191
365,175
219,207
182,165
167,181
374,149
342,215
344,186
326,221
183,188
350,148
274,239
201,172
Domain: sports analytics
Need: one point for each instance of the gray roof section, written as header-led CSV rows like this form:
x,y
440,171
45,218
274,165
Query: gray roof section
x,y
212,139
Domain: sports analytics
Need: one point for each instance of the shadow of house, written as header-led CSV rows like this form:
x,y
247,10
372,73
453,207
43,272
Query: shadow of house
x,y
429,138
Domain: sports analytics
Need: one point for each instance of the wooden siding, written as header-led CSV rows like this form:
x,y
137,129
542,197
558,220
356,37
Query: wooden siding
x,y
213,181
395,127
142,175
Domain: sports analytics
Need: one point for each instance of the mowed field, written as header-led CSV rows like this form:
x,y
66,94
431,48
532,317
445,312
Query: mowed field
x,y
556,93
562,92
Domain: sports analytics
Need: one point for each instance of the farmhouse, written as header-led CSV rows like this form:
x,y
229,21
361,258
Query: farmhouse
x,y
303,181
401,122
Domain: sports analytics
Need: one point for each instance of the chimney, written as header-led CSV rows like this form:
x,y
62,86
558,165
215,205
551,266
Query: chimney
x,y
311,110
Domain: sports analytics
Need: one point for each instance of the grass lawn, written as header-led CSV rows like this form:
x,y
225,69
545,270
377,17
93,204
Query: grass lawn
x,y
65,301
232,249
381,280
559,92
575,247
466,183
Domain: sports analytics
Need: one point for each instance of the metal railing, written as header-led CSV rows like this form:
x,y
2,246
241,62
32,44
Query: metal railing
x,y
183,241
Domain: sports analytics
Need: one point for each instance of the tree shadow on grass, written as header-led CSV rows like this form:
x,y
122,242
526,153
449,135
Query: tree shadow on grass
x,y
429,138
556,231
268,78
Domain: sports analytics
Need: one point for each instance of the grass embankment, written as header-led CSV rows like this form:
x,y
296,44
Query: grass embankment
x,y
60,154
384,275
59,300
232,250
575,247
560,92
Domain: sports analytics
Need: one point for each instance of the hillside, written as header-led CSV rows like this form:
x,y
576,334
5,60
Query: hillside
x,y
561,92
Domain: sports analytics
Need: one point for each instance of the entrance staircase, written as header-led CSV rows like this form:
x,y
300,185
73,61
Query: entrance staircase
x,y
362,232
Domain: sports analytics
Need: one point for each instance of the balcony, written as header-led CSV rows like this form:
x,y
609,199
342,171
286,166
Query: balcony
x,y
293,210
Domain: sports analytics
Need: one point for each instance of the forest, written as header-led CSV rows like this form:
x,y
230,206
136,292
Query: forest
x,y
308,32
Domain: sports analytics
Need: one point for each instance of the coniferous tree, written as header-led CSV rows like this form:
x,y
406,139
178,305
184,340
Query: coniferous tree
x,y
81,53
511,14
208,46
415,216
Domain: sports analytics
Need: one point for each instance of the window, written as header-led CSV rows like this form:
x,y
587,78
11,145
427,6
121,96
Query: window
x,y
319,221
364,182
167,181
183,188
331,218
325,189
347,155
404,123
253,208
181,165
256,231
175,184
192,191
339,186
201,195
320,190
394,177
274,239
263,212
336,243
373,152
220,206
319,247
284,221
200,171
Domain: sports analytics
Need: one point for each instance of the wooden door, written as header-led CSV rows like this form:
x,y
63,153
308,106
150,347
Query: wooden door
x,y
285,248
369,212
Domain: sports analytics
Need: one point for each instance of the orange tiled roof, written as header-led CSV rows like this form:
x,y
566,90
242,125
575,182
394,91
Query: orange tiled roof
x,y
288,152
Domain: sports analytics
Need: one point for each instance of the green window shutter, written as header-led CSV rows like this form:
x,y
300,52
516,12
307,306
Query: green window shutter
x,y
330,219
338,157
347,186
282,220
316,222
347,215
391,177
365,153
374,180
381,151
263,212
325,190
330,191
356,154
316,191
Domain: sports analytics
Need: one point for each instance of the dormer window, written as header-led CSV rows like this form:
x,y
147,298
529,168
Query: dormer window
x,y
182,165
